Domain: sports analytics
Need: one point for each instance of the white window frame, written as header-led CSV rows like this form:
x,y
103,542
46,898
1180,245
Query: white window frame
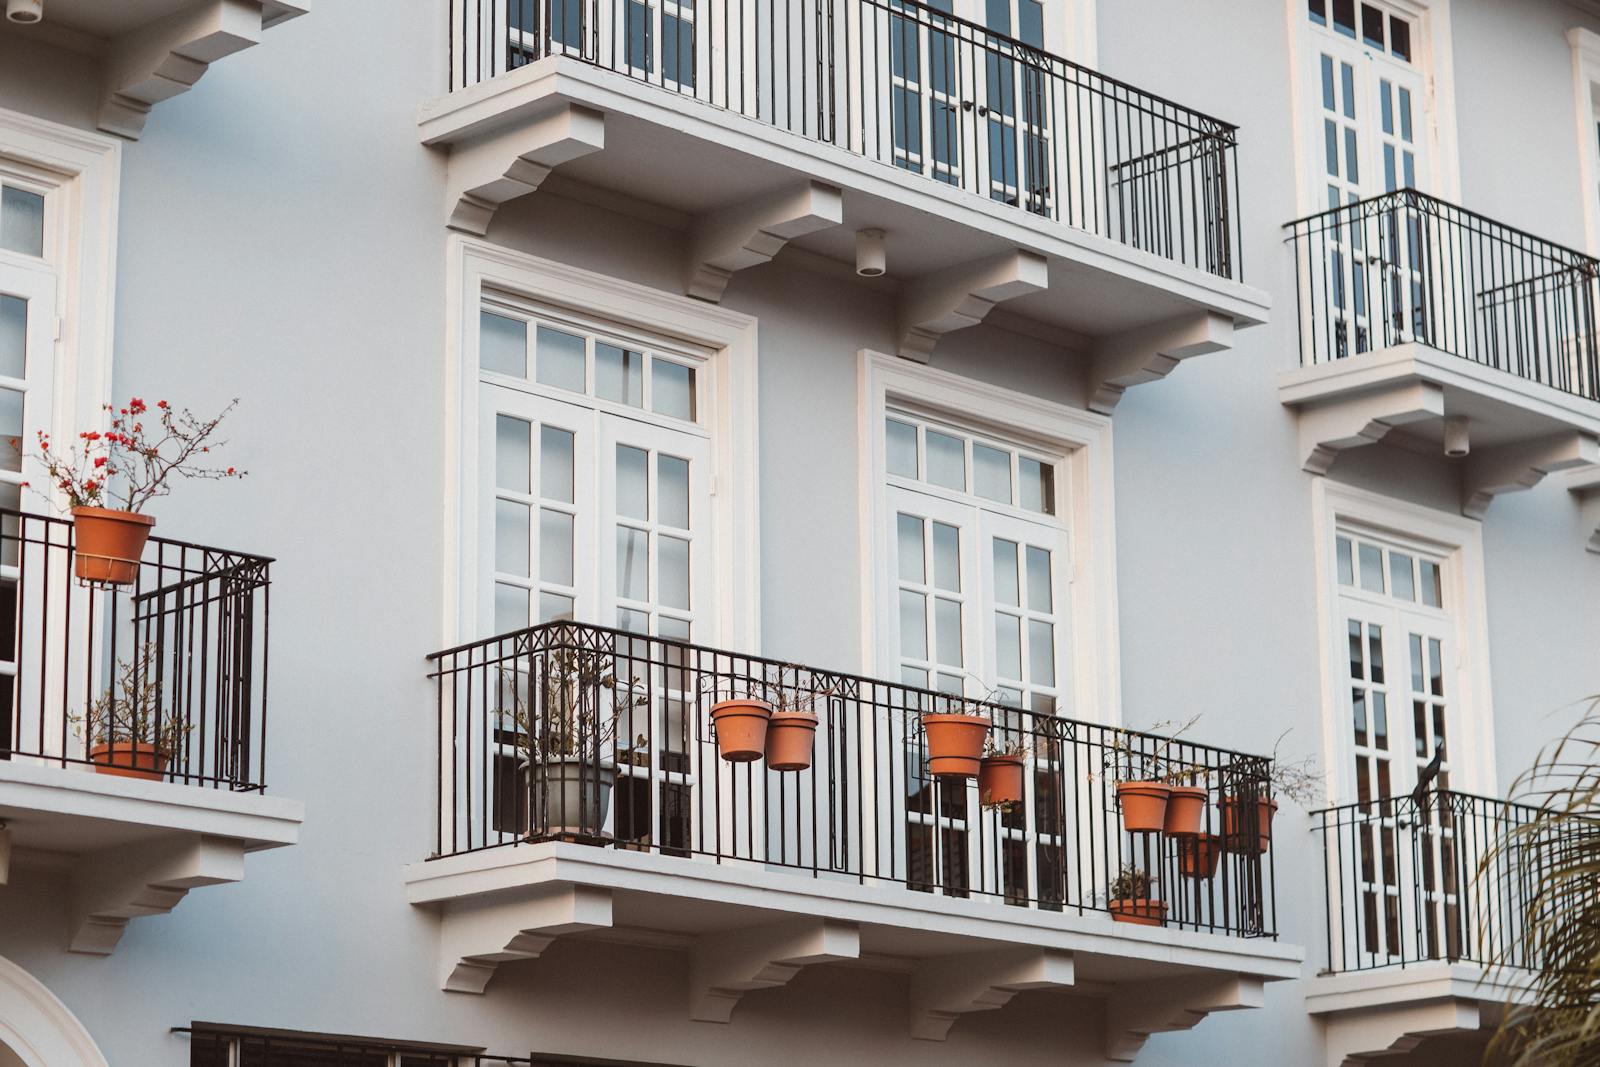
x,y
1088,509
81,172
1458,542
1432,58
1586,110
733,617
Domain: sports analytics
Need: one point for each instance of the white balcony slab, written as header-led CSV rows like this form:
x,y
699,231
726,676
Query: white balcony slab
x,y
748,926
132,847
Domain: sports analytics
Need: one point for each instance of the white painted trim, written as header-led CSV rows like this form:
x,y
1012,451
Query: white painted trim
x,y
1585,98
1459,541
474,264
40,1029
86,169
1084,440
1434,58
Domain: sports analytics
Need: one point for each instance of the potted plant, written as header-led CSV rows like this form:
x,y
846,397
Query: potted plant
x,y
126,730
1186,801
110,476
955,739
792,728
1128,898
1144,780
1248,808
566,734
1002,773
740,721
1198,855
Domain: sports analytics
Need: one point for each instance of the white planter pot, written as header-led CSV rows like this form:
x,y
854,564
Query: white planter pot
x,y
571,797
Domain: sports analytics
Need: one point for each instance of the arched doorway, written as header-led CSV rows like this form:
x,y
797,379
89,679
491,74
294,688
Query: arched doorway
x,y
36,1029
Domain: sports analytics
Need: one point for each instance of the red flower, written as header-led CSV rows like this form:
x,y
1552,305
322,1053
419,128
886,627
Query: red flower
x,y
99,461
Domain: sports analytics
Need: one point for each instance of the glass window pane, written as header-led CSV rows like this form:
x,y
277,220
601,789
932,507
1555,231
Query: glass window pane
x,y
555,547
511,535
1417,666
10,426
1039,586
1400,37
13,336
633,622
555,464
1041,653
21,221
502,344
1038,485
1008,646
1347,571
913,625
618,374
1371,568
512,437
1344,17
908,532
1435,667
1372,25
672,491
559,359
553,607
901,439
1006,587
1432,590
672,389
510,607
633,564
947,460
672,556
1400,576
991,473
947,627
633,482
946,557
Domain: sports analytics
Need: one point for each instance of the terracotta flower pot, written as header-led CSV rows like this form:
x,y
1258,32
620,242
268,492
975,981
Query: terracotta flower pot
x,y
955,743
741,727
1198,855
1000,778
789,740
108,544
1186,809
1144,806
129,759
1138,912
1237,833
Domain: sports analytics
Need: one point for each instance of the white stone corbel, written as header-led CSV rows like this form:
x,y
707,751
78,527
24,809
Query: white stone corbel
x,y
476,937
1508,468
165,58
1356,1039
1585,485
1136,1011
484,173
723,967
960,296
112,887
1328,428
750,234
944,988
1149,354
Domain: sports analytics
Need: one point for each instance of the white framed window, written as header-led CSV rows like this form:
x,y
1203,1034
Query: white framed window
x,y
1586,108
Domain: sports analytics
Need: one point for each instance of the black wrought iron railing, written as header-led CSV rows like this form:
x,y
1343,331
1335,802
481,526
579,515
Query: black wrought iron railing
x,y
1408,267
167,675
986,110
569,731
1447,876
221,1046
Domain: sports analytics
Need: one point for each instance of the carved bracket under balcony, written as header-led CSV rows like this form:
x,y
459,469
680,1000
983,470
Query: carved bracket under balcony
x,y
962,295
112,887
477,936
1136,1011
944,988
1150,353
1585,485
1332,427
1373,1017
723,967
1523,465
750,234
165,58
486,171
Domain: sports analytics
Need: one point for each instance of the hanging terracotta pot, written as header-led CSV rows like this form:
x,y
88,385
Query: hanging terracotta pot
x,y
955,743
789,740
741,727
1000,778
107,544
1144,806
1138,912
1237,832
1198,855
129,759
1186,809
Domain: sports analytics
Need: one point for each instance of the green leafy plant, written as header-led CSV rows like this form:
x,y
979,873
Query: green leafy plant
x,y
130,711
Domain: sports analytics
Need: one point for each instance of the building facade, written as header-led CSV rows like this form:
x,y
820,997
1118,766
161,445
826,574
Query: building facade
x,y
1202,395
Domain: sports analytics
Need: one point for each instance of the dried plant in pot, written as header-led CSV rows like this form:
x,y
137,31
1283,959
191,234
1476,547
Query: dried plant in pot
x,y
741,710
1249,804
1129,901
1186,800
792,728
126,730
955,737
1002,773
110,476
1198,855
